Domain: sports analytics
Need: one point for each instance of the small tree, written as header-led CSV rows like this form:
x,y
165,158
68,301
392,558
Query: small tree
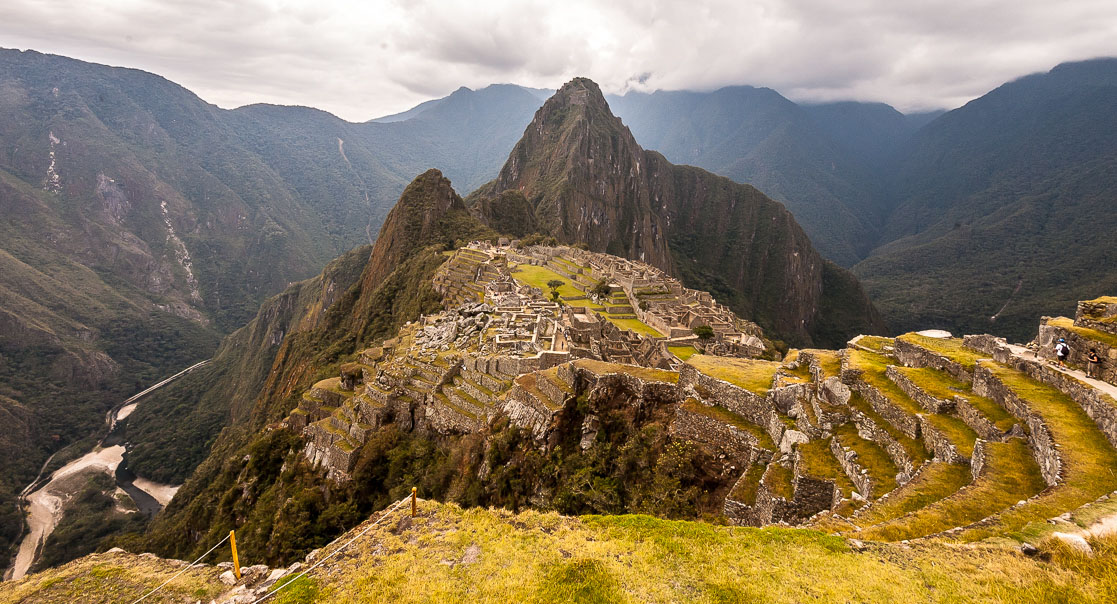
x,y
704,332
601,289
554,284
643,305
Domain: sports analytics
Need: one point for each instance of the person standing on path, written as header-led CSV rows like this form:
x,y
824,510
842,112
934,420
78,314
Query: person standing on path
x,y
1093,363
1062,351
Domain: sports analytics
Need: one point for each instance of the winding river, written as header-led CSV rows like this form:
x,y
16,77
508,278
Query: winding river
x,y
44,501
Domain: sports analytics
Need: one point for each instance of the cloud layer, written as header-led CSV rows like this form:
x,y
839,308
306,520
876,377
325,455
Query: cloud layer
x,y
364,59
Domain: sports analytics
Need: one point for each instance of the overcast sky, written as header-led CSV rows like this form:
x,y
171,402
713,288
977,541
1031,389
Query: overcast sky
x,y
364,59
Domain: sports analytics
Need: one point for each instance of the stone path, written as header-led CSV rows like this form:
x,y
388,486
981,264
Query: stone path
x,y
1025,353
1106,524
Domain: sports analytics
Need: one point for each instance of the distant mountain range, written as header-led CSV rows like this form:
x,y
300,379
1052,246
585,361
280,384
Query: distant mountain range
x,y
142,223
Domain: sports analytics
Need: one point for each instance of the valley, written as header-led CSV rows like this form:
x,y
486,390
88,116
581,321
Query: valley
x,y
45,498
601,358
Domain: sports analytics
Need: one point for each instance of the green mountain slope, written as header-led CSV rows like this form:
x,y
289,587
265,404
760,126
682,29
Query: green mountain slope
x,y
755,136
1005,207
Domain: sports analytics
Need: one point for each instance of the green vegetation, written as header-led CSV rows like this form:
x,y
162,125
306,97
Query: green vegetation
x,y
817,460
112,578
745,488
683,352
780,481
1089,461
915,449
933,483
870,457
635,325
1010,475
951,348
646,373
90,517
704,332
942,386
876,343
750,374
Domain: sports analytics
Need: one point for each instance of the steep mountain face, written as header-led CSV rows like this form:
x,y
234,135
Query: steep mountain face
x,y
1005,207
298,338
755,136
582,177
140,223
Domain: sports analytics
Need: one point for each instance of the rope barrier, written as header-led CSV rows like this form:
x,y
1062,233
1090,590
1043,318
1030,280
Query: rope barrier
x,y
188,567
387,513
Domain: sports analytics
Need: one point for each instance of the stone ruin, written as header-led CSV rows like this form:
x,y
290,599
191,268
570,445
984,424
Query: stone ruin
x,y
848,440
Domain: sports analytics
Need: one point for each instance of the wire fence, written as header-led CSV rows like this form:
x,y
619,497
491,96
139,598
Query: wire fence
x,y
179,573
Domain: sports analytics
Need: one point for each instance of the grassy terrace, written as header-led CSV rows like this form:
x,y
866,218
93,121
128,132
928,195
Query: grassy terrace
x,y
726,416
527,382
950,348
1089,462
913,447
538,276
829,361
869,456
817,460
873,367
936,482
941,385
645,373
1090,334
779,479
683,352
876,343
745,490
1010,475
752,375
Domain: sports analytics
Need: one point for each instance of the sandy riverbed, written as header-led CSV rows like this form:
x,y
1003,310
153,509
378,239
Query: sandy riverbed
x,y
45,504
163,493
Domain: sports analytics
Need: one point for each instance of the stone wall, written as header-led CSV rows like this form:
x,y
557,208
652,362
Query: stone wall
x,y
900,419
931,404
740,446
1101,316
942,447
1079,348
869,430
847,459
1039,437
916,356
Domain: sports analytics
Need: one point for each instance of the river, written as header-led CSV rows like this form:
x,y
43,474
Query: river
x,y
45,504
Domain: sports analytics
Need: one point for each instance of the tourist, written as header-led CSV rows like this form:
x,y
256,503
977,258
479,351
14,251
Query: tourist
x,y
1093,362
1062,351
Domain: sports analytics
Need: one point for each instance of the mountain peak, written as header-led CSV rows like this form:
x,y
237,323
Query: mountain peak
x,y
416,221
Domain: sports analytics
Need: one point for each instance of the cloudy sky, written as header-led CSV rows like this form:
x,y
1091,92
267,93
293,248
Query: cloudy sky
x,y
363,59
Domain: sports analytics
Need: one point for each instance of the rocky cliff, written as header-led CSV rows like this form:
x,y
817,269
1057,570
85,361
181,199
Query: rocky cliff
x,y
579,175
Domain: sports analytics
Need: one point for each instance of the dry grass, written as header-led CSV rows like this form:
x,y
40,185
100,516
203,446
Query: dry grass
x,y
453,555
750,374
111,579
1089,461
951,348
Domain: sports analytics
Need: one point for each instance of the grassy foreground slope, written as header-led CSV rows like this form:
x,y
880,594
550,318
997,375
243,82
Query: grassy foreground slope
x,y
491,555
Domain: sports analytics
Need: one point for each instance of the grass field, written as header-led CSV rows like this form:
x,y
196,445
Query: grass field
x,y
750,374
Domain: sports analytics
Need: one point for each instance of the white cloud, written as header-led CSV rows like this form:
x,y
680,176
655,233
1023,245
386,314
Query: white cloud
x,y
363,59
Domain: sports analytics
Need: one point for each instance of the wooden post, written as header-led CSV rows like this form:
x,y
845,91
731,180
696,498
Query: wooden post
x,y
414,490
236,562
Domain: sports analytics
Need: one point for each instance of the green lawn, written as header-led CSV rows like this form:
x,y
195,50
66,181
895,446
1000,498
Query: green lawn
x,y
935,482
1090,334
1010,475
683,352
538,276
751,374
951,348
